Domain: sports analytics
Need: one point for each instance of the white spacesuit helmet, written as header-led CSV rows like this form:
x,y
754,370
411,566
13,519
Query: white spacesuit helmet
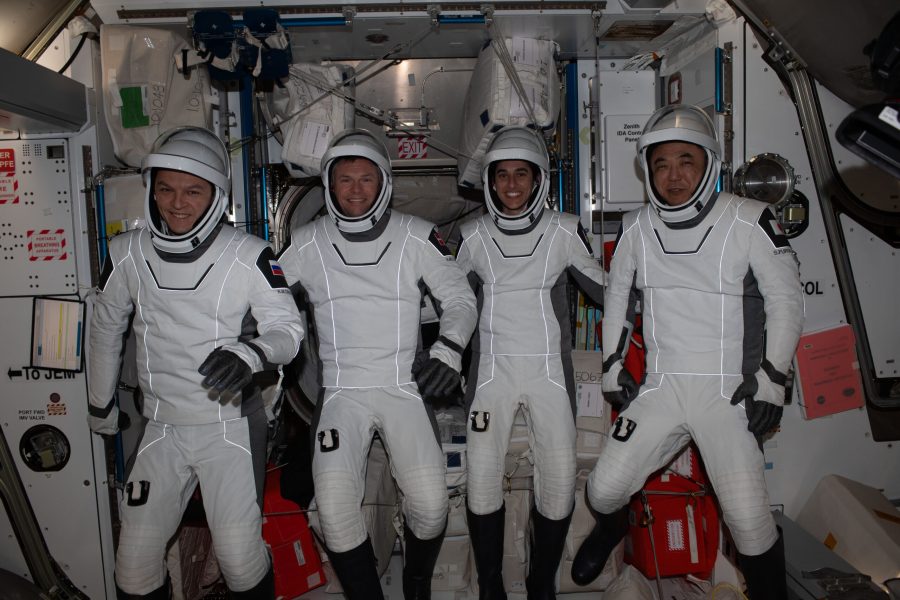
x,y
198,152
517,143
681,123
363,144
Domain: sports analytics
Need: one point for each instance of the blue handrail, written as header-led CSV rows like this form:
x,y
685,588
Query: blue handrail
x,y
572,126
720,101
101,224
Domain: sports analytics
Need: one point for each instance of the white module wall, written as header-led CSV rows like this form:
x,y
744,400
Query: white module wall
x,y
37,258
803,451
874,263
610,177
36,242
876,266
65,502
770,124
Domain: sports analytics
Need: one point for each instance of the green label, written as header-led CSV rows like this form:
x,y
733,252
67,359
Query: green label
x,y
133,107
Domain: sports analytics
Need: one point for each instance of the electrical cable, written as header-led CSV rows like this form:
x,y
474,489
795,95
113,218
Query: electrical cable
x,y
74,54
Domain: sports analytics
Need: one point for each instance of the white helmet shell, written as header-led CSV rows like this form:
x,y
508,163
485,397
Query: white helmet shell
x,y
358,143
681,123
198,152
517,143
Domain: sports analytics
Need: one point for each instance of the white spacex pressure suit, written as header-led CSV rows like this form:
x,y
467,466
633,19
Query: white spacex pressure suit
x,y
185,306
720,296
365,290
522,353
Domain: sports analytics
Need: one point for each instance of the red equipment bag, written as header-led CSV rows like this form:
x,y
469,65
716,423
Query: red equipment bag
x,y
286,531
676,505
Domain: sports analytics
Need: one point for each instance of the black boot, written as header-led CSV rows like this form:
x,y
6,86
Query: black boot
x,y
598,545
765,574
486,533
418,564
547,542
264,590
356,571
163,592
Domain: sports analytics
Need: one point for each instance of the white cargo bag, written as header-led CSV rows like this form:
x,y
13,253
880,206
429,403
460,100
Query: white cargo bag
x,y
492,102
144,95
307,127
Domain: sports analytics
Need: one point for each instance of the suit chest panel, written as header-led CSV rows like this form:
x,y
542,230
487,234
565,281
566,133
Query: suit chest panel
x,y
520,262
362,272
712,256
176,294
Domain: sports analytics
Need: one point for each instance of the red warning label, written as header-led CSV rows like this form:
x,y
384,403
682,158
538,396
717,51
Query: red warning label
x,y
47,244
9,185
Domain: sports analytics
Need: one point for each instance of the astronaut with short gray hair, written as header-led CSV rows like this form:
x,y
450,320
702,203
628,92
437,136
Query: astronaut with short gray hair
x,y
364,269
191,282
722,314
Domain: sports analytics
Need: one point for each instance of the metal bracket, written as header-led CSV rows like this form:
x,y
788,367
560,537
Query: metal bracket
x,y
488,11
349,12
725,94
596,15
846,586
434,11
781,51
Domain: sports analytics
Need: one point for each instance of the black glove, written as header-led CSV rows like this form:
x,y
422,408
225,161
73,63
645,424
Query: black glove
x,y
419,361
623,391
762,416
225,371
436,379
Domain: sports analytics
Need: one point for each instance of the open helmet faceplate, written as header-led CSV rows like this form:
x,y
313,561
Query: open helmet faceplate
x,y
362,144
198,152
517,143
681,123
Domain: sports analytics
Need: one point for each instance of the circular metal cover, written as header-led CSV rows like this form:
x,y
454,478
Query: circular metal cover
x,y
44,448
765,177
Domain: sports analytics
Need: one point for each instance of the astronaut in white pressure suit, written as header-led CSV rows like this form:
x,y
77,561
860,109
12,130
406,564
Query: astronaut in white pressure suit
x,y
192,283
363,269
722,314
521,258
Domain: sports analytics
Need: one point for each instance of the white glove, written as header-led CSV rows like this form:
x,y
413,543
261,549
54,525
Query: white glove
x,y
763,400
618,386
767,390
110,424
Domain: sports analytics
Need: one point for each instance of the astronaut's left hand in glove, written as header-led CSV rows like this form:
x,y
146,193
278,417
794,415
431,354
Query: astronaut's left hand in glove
x,y
436,379
763,400
225,371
